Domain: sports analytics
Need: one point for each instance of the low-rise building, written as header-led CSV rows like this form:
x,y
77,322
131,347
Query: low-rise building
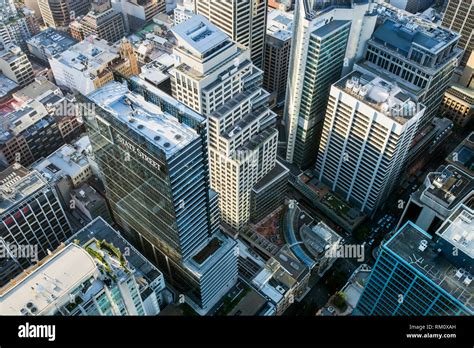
x,y
91,64
323,243
15,65
99,273
283,281
90,203
442,190
48,43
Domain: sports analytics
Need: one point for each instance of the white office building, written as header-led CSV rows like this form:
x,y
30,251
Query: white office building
x,y
216,78
368,129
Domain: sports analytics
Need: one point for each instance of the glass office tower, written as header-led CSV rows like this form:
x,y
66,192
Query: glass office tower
x,y
155,170
415,276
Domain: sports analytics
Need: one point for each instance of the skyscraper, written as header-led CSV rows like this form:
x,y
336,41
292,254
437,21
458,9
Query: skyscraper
x,y
419,55
417,275
216,78
326,41
31,216
277,54
154,166
244,21
59,13
458,17
368,129
102,21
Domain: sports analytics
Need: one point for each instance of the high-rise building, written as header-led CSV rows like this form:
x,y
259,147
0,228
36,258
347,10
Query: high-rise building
x,y
59,13
412,6
216,78
458,17
277,54
91,64
419,55
15,65
137,13
101,21
368,129
416,275
32,218
154,165
99,273
243,21
458,101
326,42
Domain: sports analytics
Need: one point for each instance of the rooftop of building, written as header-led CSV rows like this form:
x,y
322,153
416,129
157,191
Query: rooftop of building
x,y
449,185
99,230
458,230
11,53
291,264
156,71
328,29
88,55
384,96
463,93
416,248
278,172
319,238
25,120
145,118
88,196
280,25
463,155
402,31
69,160
6,86
251,304
55,276
199,36
52,41
280,275
40,86
205,258
16,184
